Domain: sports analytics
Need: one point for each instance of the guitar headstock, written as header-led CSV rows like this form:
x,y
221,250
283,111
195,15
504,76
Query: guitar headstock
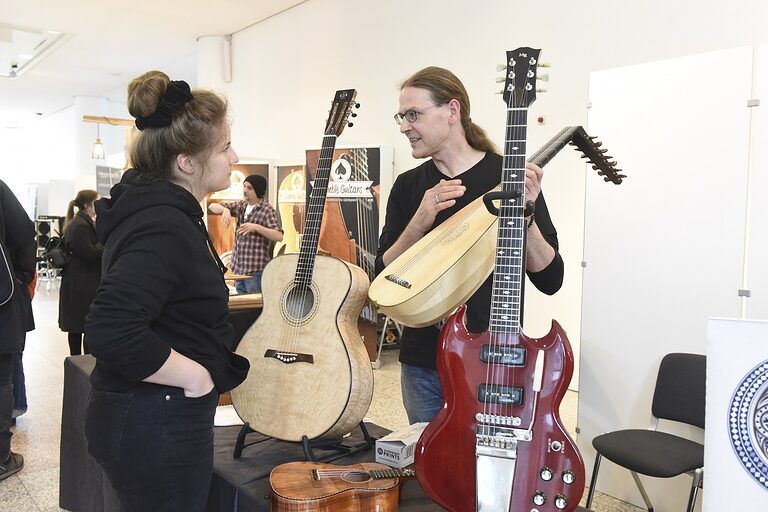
x,y
520,82
341,110
596,155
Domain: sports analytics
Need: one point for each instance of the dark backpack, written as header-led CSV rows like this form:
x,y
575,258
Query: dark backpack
x,y
56,252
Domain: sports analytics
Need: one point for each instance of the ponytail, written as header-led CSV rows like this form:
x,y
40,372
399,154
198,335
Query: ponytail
x,y
82,198
444,86
70,212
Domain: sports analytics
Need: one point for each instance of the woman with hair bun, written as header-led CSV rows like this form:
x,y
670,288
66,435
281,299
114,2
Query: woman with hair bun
x,y
81,277
158,326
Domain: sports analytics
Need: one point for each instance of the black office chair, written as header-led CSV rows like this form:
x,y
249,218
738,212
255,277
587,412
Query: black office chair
x,y
679,396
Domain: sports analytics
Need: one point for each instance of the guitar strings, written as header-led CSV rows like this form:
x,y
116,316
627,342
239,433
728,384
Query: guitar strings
x,y
505,326
308,252
365,225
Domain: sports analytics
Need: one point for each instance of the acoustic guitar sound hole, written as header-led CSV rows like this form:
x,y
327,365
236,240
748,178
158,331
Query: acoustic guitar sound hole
x,y
299,304
356,476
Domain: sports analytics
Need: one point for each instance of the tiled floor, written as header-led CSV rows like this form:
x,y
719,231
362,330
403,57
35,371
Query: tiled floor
x,y
37,433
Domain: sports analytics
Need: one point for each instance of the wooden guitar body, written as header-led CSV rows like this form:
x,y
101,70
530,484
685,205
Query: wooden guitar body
x,y
310,374
440,271
309,486
446,452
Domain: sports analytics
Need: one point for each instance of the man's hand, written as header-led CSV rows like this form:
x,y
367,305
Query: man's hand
x,y
436,199
226,217
248,227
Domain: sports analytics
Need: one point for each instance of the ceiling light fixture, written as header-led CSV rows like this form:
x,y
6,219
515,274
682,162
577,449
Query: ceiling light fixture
x,y
98,146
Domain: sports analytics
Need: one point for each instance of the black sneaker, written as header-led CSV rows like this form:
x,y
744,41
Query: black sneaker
x,y
11,466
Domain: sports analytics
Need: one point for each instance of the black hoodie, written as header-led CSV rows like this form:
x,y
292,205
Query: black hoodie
x,y
162,288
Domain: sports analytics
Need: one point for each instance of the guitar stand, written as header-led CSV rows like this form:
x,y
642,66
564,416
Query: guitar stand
x,y
240,442
336,445
309,445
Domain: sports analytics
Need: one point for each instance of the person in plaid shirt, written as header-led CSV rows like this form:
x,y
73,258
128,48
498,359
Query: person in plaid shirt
x,y
257,228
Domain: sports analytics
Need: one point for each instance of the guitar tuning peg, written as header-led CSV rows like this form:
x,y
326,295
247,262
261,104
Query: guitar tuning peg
x,y
501,91
541,89
353,114
501,67
357,105
604,150
606,180
545,65
350,124
543,78
571,143
501,79
613,164
592,137
607,157
583,155
597,144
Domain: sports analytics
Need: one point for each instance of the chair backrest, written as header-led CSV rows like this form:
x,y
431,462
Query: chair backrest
x,y
680,389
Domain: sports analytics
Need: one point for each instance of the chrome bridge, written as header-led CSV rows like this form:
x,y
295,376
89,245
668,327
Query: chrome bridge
x,y
496,450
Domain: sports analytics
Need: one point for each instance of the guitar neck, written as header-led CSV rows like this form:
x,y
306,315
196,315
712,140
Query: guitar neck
x,y
314,213
553,146
510,258
577,136
392,473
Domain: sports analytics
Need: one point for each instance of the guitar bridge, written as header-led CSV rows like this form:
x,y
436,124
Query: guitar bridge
x,y
495,476
398,280
290,357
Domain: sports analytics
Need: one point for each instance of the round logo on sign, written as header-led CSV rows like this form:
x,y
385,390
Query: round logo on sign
x,y
748,423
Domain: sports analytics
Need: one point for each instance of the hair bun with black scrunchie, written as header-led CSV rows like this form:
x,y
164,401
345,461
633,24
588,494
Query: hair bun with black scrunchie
x,y
175,97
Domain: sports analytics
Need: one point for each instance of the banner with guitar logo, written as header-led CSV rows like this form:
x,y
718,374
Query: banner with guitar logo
x,y
350,229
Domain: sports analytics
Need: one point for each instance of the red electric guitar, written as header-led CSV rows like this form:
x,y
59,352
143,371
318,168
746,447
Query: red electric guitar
x,y
498,444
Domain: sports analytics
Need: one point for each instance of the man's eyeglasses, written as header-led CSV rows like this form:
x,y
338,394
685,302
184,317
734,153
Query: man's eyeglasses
x,y
412,115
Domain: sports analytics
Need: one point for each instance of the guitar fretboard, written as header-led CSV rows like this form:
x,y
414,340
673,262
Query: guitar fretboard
x,y
510,257
314,216
391,473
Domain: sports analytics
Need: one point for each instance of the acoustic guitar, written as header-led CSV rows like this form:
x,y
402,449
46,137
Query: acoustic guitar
x,y
310,486
498,444
310,374
447,266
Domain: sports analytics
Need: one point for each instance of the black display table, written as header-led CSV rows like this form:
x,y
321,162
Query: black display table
x,y
83,488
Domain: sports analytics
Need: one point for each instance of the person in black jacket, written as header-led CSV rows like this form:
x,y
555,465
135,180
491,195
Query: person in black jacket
x,y
17,268
462,166
158,325
81,277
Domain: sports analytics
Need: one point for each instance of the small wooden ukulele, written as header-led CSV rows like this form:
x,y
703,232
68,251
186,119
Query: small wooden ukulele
x,y
311,486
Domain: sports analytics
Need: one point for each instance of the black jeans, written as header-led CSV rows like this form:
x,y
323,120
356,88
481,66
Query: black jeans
x,y
155,446
6,402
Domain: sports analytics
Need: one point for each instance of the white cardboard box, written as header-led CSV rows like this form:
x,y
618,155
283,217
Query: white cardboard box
x,y
397,448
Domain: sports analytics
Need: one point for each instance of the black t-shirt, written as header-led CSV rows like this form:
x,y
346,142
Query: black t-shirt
x,y
418,346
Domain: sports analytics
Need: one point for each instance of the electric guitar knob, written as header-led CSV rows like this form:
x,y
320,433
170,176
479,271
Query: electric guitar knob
x,y
561,501
546,474
539,498
569,477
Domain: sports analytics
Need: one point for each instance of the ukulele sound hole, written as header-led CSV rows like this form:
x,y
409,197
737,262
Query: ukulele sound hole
x,y
299,303
356,476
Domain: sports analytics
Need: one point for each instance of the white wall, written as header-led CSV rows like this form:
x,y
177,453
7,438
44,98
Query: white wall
x,y
286,69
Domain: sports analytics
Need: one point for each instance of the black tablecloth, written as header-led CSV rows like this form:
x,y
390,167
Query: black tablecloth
x,y
235,485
